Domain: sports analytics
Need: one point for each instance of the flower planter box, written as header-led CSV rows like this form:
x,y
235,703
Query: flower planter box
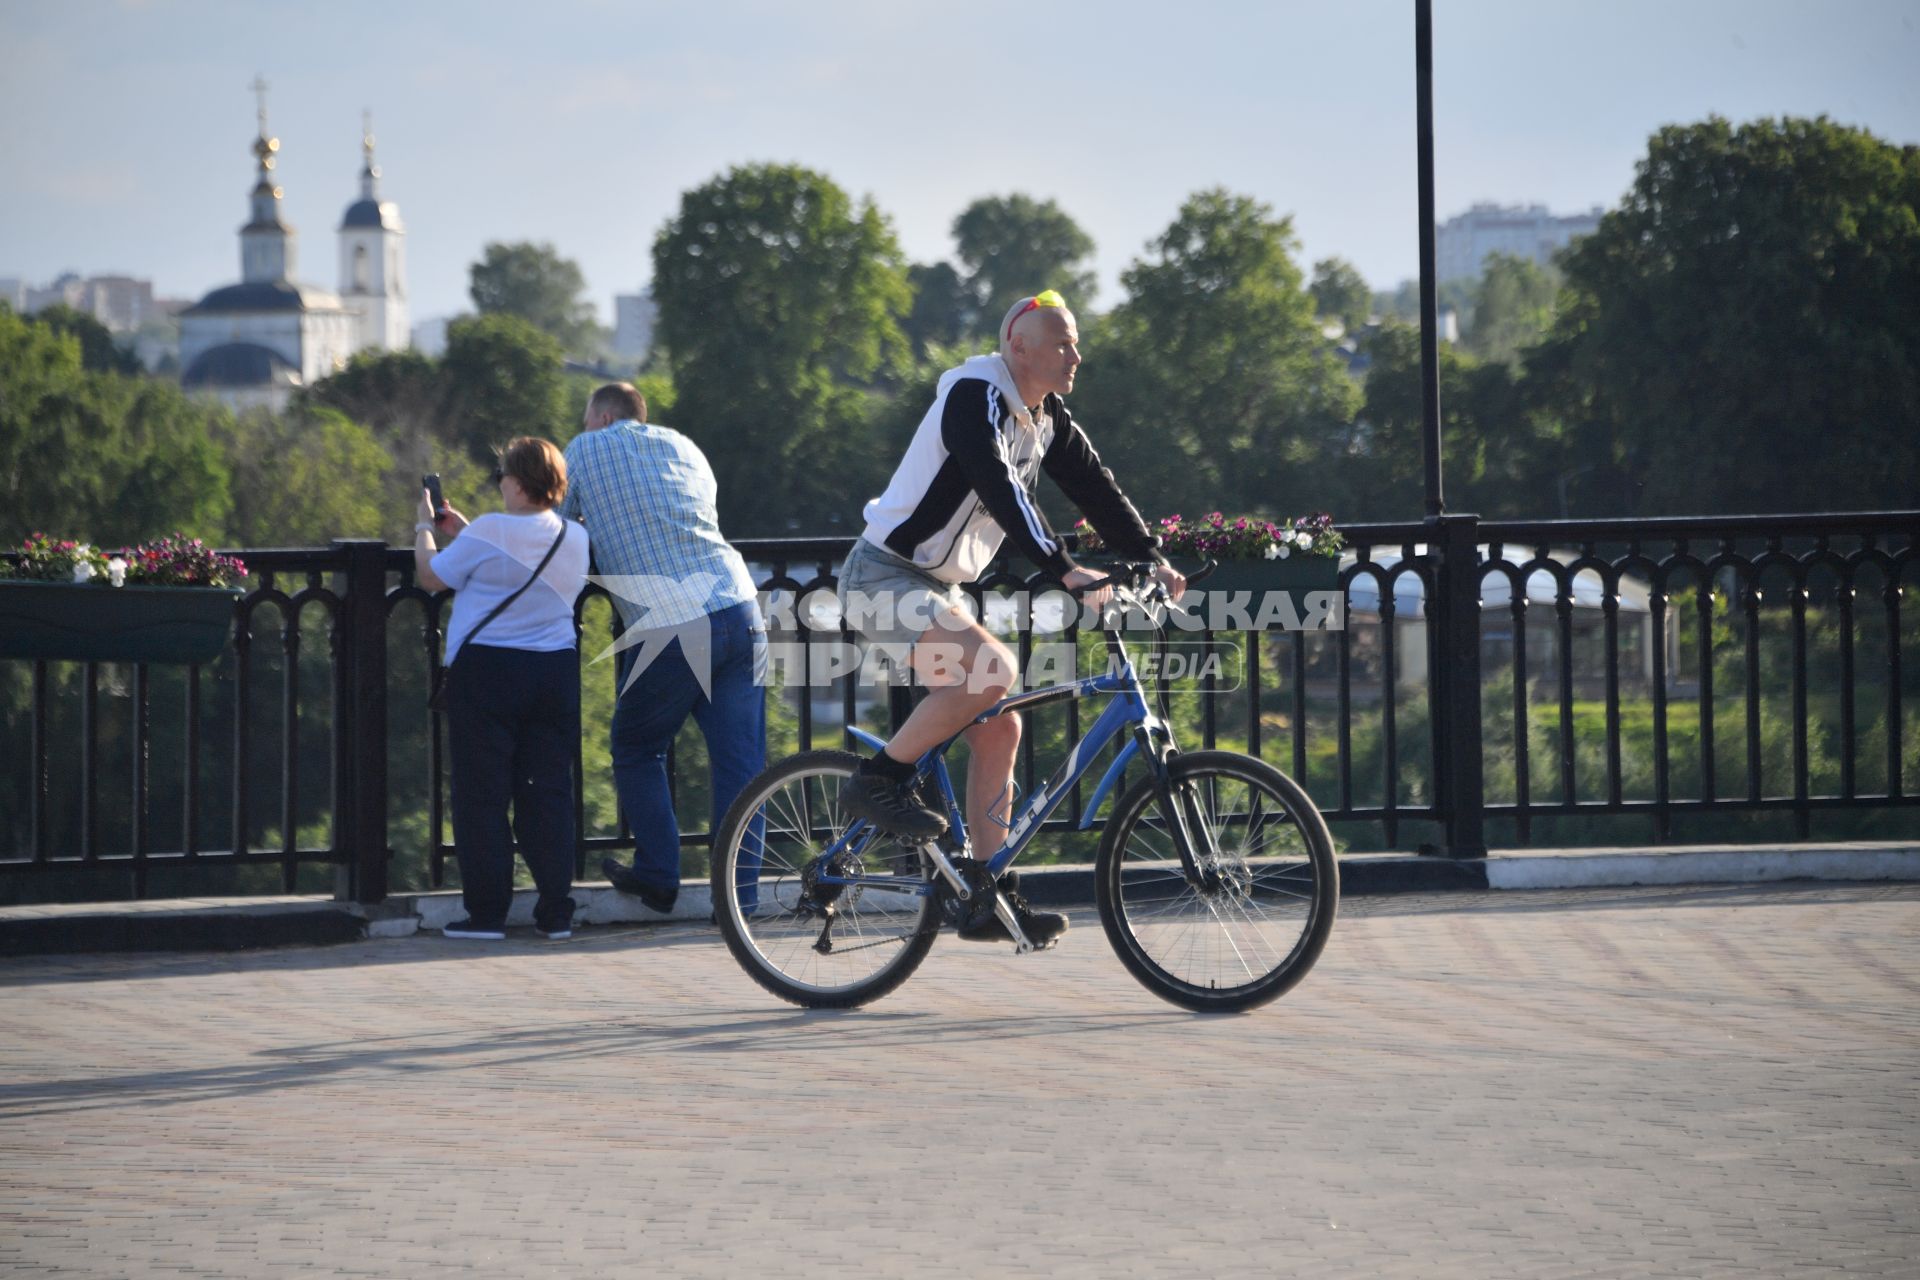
x,y
72,622
1254,585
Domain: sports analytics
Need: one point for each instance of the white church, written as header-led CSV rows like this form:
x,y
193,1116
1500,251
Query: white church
x,y
258,341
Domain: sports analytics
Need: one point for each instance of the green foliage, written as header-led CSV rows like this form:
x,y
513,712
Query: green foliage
x,y
1499,456
1743,332
780,307
1211,385
102,457
1014,246
943,310
504,378
534,283
305,478
99,353
1340,293
1513,307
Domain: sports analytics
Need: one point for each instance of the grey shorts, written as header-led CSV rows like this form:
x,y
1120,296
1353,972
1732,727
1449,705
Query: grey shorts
x,y
890,601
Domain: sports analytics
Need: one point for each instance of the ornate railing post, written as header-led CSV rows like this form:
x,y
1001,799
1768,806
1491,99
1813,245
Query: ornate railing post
x,y
362,724
1454,684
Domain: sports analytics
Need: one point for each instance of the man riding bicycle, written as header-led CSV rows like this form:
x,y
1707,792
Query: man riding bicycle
x,y
965,485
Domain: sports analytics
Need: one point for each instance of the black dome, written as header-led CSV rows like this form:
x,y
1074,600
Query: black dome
x,y
239,364
264,295
371,213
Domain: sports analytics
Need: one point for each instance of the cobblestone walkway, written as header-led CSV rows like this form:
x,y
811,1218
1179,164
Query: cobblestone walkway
x,y
1707,1082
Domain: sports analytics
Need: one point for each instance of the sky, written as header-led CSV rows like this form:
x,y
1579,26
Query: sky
x,y
125,125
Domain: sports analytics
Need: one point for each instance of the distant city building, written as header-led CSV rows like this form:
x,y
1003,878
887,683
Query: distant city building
x,y
255,342
634,315
1462,243
430,336
121,303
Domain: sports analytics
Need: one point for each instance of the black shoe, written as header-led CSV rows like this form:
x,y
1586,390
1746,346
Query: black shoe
x,y
1041,927
468,929
891,806
625,881
555,922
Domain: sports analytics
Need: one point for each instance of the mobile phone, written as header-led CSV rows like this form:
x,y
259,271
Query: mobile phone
x,y
431,483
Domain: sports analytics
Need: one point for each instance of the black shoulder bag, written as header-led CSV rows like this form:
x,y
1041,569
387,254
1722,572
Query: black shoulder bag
x,y
437,700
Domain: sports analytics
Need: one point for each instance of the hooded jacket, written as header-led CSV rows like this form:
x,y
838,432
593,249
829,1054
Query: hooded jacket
x,y
966,482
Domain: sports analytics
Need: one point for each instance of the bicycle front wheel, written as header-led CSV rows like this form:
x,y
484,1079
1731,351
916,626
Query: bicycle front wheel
x,y
814,942
1268,884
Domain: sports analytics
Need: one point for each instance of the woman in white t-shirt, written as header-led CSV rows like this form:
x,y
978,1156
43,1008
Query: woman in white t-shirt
x,y
513,686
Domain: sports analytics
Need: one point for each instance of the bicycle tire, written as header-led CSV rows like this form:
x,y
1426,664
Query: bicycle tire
x,y
797,800
1271,915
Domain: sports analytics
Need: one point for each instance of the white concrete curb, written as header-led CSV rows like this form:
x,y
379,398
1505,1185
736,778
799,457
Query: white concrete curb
x,y
1572,870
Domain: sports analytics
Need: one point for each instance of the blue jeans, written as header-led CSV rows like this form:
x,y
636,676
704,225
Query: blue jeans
x,y
733,721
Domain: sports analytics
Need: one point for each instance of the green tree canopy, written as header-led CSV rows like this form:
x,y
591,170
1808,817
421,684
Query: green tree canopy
x,y
536,284
780,307
1513,307
304,478
943,310
1012,246
1211,386
504,378
98,350
1743,332
1340,293
100,456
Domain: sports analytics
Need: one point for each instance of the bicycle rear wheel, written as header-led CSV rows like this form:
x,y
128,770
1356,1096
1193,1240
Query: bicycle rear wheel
x,y
1260,920
823,946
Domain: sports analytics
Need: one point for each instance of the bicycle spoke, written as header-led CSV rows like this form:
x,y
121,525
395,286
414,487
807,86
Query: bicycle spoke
x,y
1261,893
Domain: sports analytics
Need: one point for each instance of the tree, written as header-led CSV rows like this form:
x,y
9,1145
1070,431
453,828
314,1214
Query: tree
x,y
1743,332
312,475
1500,458
1512,307
1211,386
1012,246
98,350
103,457
504,378
943,309
536,284
1340,293
780,307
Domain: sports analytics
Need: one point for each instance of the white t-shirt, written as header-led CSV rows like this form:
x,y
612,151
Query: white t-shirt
x,y
491,559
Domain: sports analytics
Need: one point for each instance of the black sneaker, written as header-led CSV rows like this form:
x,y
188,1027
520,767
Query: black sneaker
x,y
623,879
554,921
1041,927
891,806
468,929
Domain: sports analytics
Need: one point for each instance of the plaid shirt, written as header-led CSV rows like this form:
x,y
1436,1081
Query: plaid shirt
x,y
646,494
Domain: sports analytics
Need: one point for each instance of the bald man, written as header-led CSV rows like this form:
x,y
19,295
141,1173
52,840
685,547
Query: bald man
x,y
965,486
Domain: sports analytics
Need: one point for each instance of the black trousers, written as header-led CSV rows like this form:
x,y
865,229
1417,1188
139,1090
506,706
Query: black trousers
x,y
513,720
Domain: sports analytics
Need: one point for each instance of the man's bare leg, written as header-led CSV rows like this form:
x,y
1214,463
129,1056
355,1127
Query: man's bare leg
x,y
991,748
965,671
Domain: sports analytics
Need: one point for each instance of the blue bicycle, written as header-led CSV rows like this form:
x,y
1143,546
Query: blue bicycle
x,y
1215,877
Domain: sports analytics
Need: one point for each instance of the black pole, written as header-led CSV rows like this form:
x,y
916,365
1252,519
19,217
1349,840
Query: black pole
x,y
1429,289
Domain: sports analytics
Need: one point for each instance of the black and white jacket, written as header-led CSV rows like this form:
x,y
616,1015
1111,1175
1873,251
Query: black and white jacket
x,y
966,482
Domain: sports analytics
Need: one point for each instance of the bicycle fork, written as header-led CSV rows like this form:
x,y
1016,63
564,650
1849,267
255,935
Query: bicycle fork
x,y
1192,834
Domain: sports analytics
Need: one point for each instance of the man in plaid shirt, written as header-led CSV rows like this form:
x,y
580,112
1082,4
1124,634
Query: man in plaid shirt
x,y
646,494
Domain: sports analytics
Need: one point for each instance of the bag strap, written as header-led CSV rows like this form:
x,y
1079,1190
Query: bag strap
x,y
538,569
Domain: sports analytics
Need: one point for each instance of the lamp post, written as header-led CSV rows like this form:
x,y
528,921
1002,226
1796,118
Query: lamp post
x,y
1429,287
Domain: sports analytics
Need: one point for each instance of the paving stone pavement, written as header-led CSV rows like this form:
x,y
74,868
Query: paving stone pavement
x,y
1671,1082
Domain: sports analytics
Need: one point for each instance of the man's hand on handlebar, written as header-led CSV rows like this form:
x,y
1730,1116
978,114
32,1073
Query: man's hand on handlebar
x,y
1076,579
1172,579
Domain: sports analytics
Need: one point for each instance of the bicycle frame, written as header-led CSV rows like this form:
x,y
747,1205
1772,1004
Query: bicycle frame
x,y
1128,710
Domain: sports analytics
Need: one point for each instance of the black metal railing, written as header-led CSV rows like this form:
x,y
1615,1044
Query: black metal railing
x,y
1529,678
